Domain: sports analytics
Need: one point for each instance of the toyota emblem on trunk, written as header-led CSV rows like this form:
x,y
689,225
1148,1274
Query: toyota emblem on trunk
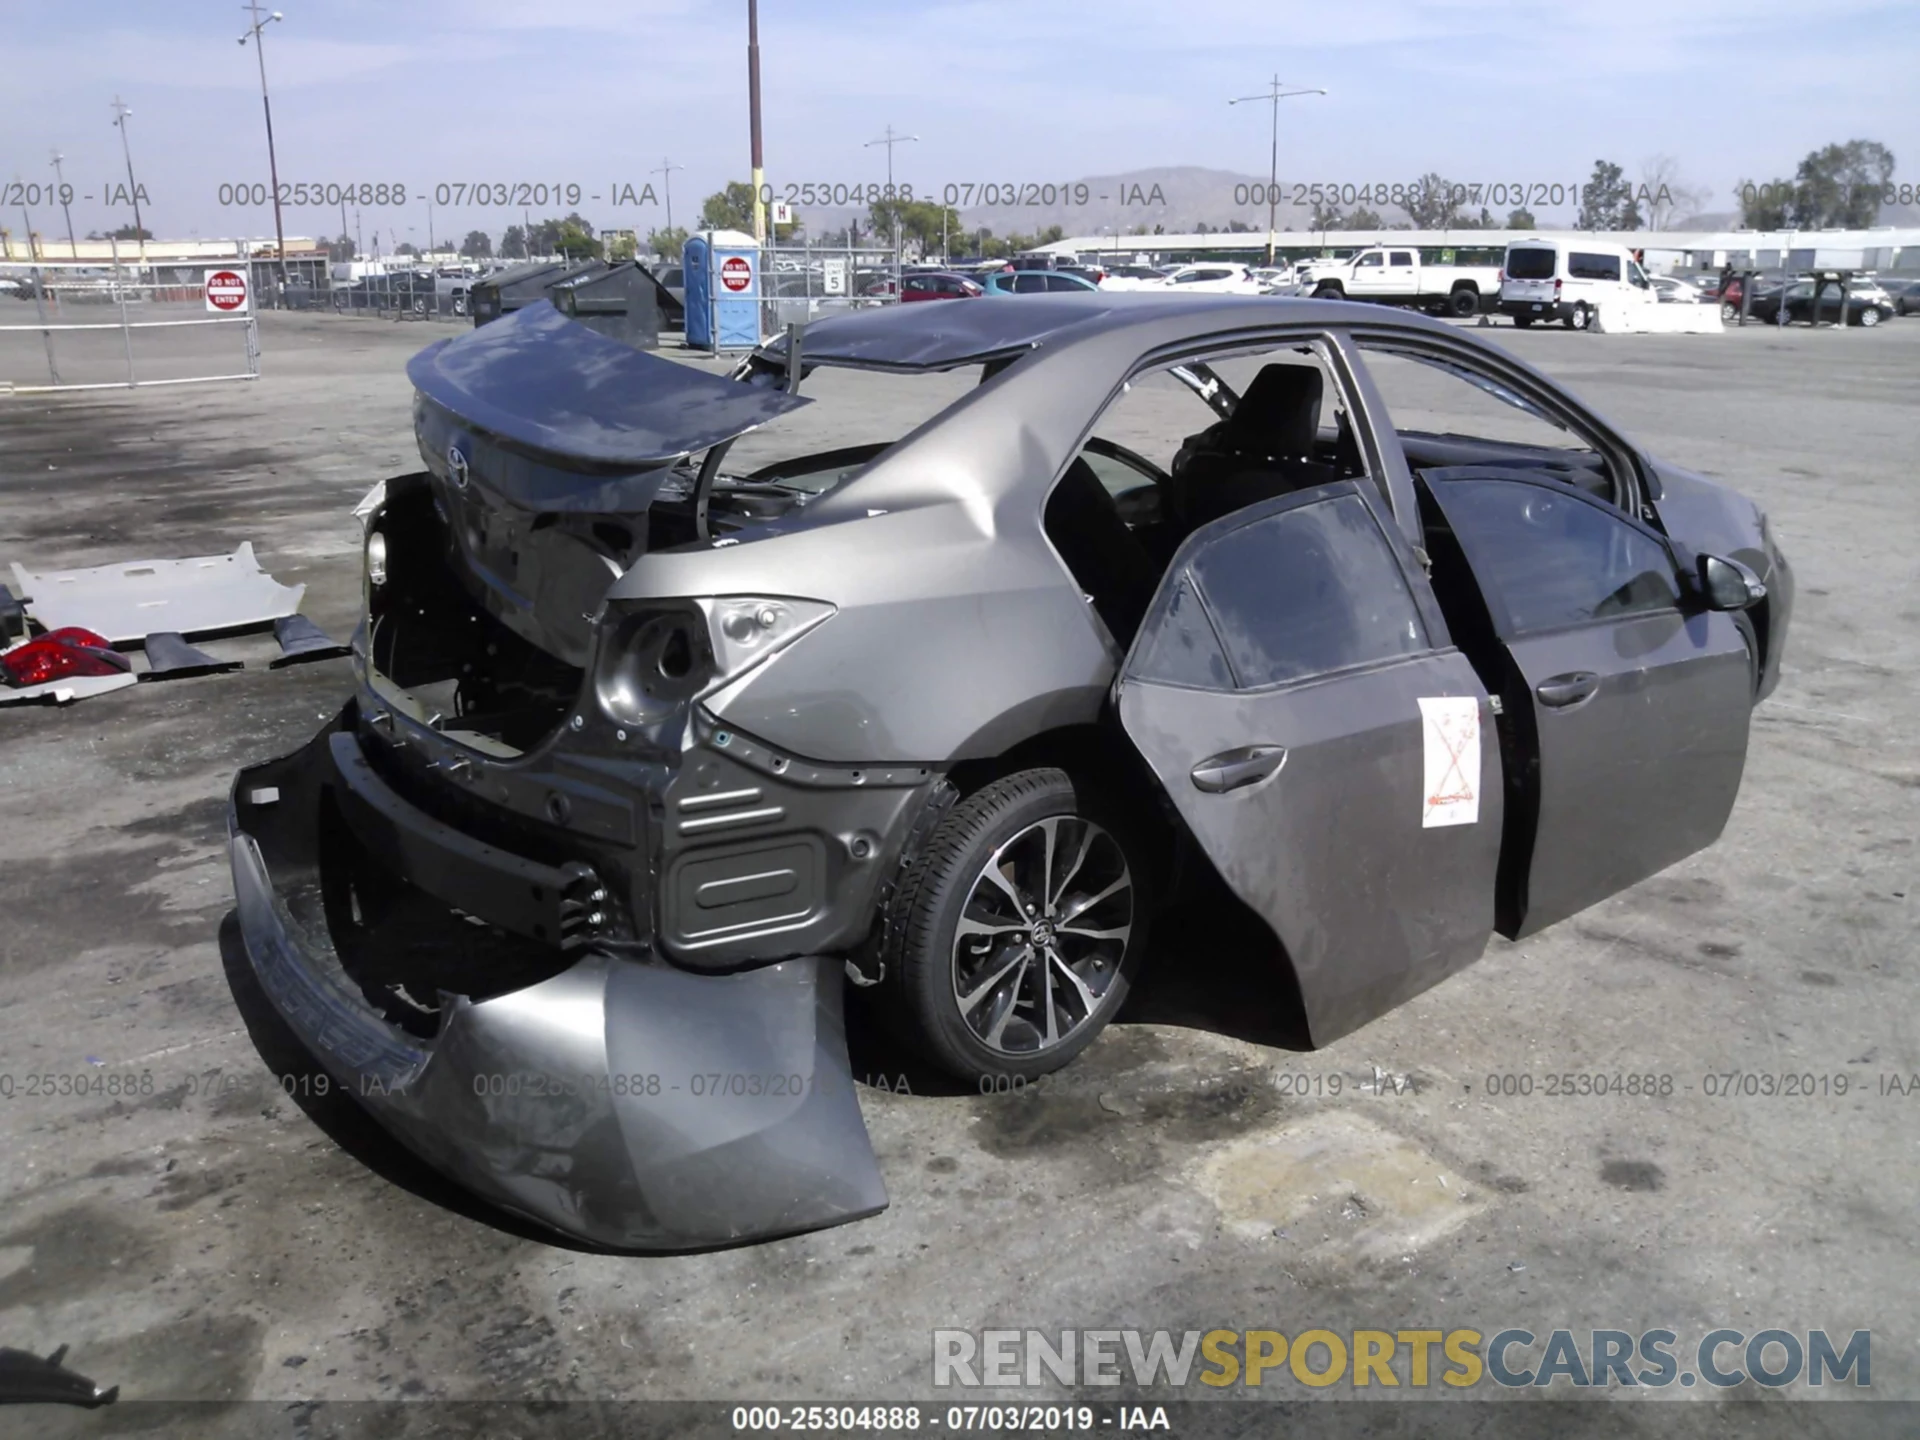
x,y
457,467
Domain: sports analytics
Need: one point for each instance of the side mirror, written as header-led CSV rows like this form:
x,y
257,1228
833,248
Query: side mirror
x,y
1729,585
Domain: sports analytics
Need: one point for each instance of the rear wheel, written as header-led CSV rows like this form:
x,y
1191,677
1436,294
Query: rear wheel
x,y
1465,302
1580,319
1729,311
1018,928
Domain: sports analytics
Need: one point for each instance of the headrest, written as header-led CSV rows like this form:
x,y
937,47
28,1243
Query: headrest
x,y
1280,412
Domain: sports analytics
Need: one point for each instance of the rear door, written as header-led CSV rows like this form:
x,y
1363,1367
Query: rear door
x,y
1295,691
1401,275
1628,709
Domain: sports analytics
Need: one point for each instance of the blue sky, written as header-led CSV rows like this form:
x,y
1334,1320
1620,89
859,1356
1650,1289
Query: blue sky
x,y
520,90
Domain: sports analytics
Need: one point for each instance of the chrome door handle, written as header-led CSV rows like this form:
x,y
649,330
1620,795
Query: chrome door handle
x,y
1568,689
1232,769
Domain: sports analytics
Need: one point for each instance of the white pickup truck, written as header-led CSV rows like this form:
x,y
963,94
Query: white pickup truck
x,y
1396,275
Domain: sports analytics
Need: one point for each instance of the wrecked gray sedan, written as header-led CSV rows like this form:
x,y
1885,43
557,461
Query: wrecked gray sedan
x,y
683,700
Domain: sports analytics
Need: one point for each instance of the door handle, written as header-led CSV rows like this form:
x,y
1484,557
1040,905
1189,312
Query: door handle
x,y
1568,689
1232,769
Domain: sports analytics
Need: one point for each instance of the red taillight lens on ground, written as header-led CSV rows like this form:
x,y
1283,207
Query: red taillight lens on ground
x,y
61,653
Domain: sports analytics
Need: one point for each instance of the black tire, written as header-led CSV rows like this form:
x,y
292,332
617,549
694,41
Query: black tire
x,y
1523,321
1002,1035
1580,318
1729,311
1329,291
1464,302
1870,316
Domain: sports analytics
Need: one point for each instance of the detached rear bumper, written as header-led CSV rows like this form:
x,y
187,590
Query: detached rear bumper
x,y
623,1103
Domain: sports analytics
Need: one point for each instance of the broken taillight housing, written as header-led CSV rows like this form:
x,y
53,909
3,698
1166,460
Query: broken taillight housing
x,y
62,653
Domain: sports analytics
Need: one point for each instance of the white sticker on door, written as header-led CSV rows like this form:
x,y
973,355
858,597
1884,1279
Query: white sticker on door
x,y
1450,727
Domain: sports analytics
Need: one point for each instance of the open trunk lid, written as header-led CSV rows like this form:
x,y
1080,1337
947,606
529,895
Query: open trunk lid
x,y
549,445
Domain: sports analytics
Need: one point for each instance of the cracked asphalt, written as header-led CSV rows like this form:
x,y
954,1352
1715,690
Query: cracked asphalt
x,y
180,1208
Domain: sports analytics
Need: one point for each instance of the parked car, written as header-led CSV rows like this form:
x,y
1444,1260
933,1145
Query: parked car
x,y
1130,277
1904,293
1211,278
646,747
1675,291
927,285
1035,282
1866,304
1566,280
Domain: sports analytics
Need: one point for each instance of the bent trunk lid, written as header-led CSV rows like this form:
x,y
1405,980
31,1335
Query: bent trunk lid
x,y
548,444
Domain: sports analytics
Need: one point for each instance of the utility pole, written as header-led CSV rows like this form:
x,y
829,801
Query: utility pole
x,y
893,201
254,31
753,119
121,111
665,172
1274,94
73,249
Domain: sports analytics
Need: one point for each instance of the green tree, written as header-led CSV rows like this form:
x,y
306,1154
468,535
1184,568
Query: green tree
x,y
921,222
1607,202
576,242
130,232
513,244
1521,219
406,247
1838,186
1765,204
341,249
1361,219
477,246
1433,203
729,209
668,244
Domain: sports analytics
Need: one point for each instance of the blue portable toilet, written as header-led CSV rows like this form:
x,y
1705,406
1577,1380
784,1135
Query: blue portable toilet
x,y
723,290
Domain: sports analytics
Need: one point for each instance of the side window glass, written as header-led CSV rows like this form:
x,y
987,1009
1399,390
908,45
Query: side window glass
x,y
1403,257
1180,647
1027,282
1551,559
1370,259
1307,591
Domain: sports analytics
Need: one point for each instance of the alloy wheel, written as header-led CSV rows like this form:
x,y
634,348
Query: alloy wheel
x,y
1042,934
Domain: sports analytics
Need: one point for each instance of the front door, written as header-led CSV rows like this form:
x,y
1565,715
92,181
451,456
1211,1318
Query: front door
x,y
1630,705
1296,693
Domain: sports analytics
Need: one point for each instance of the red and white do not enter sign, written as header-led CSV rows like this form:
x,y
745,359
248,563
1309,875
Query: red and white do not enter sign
x,y
226,291
736,272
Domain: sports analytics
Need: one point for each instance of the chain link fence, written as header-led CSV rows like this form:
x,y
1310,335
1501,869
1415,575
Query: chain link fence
x,y
87,327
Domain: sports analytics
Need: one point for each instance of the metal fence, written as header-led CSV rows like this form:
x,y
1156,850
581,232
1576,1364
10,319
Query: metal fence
x,y
74,327
800,282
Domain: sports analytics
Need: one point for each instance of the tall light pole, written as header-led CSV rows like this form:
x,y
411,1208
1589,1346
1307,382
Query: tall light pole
x,y
1273,94
665,172
73,249
753,120
121,111
254,33
890,140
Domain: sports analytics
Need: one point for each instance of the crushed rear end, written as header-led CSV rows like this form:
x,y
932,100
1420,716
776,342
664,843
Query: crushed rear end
x,y
503,896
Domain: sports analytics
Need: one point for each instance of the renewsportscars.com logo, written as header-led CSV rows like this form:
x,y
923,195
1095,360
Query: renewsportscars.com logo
x,y
1458,1358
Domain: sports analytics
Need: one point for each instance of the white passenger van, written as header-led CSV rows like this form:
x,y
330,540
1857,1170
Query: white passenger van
x,y
1565,280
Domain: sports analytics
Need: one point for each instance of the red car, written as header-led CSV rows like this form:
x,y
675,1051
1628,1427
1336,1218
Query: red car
x,y
930,285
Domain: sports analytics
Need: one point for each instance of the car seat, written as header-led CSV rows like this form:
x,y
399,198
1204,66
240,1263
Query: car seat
x,y
1264,449
1105,558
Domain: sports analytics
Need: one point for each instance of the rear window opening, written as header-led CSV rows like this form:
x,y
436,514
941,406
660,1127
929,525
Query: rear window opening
x,y
1532,263
458,666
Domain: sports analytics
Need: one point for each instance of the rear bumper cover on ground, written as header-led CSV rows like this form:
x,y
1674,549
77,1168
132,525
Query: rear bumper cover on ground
x,y
624,1103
